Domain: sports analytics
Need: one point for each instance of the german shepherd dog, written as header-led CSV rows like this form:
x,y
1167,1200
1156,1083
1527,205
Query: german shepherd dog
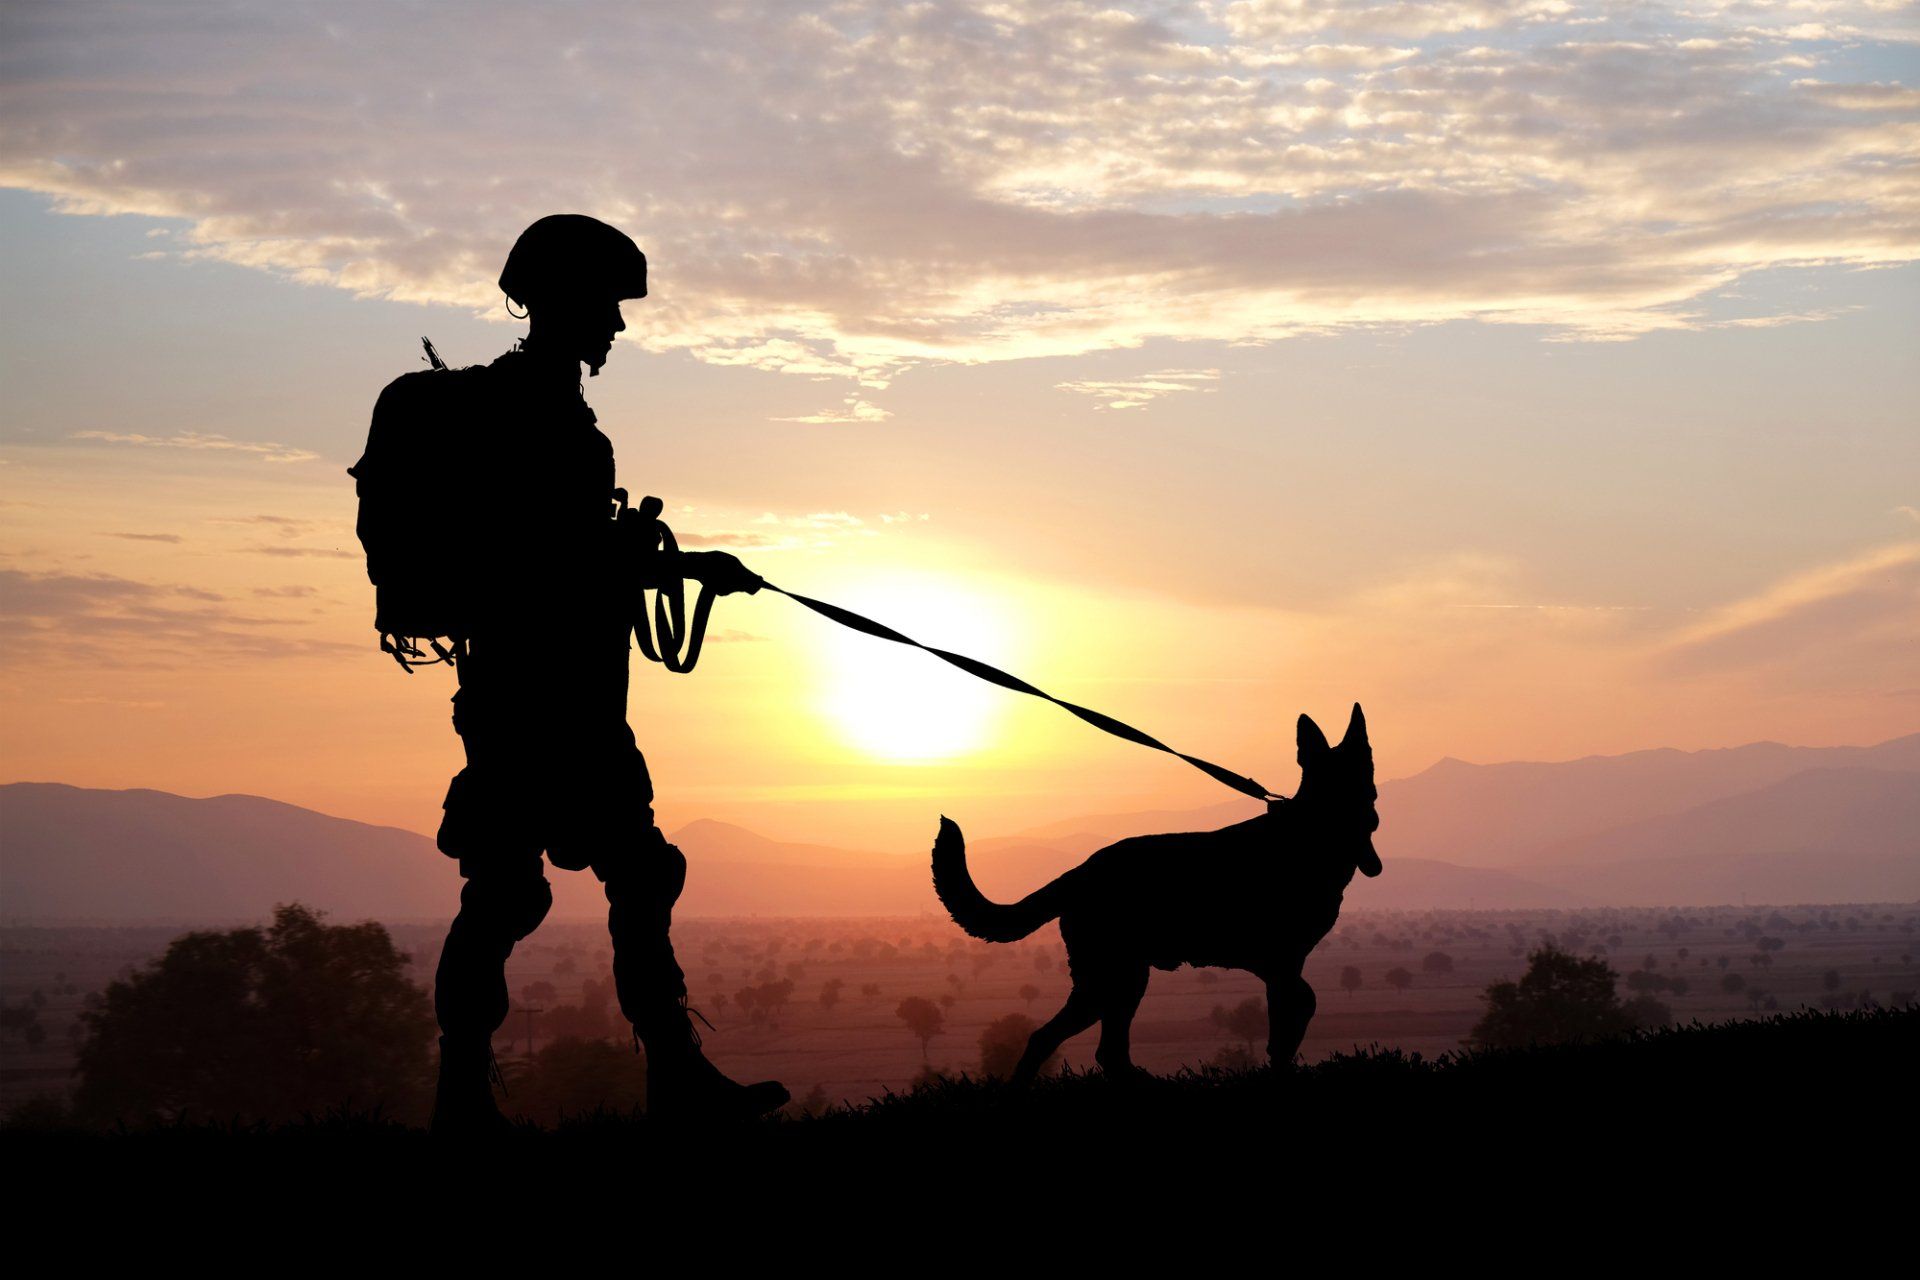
x,y
1258,895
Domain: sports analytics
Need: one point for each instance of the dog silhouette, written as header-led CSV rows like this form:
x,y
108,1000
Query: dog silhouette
x,y
1258,895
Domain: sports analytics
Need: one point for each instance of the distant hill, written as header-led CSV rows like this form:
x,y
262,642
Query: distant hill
x,y
73,853
1763,823
1838,835
1511,815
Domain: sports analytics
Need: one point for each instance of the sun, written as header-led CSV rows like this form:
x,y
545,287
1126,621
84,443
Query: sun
x,y
899,704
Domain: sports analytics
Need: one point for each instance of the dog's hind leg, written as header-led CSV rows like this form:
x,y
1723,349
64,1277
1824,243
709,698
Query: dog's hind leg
x,y
1079,1013
1290,1006
1120,993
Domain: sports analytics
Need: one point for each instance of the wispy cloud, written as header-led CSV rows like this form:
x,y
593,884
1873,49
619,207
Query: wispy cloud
x,y
312,553
109,620
202,440
792,531
1848,626
1890,575
856,409
1268,19
1137,393
847,189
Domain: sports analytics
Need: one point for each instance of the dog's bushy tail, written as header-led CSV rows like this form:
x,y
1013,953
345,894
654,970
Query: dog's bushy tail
x,y
971,909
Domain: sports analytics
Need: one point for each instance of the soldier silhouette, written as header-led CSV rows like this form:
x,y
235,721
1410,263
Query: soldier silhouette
x,y
488,513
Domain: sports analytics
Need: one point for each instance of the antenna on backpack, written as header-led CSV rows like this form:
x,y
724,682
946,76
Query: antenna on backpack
x,y
433,357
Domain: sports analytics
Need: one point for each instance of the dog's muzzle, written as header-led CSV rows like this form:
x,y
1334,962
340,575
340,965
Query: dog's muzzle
x,y
1369,862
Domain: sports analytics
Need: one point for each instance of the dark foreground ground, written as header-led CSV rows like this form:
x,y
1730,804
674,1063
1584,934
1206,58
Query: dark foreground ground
x,y
1781,1111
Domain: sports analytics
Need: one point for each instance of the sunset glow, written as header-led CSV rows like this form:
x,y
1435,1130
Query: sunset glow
x,y
1541,375
899,704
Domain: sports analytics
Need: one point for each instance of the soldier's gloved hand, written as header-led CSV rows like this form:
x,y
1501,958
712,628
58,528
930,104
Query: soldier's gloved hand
x,y
722,572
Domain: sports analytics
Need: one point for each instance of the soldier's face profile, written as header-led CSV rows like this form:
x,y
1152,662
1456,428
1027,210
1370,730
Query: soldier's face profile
x,y
587,327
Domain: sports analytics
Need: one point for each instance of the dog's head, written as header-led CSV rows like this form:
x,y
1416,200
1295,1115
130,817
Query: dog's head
x,y
1336,787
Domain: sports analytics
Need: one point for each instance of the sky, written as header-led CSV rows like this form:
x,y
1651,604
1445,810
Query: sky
x,y
1539,374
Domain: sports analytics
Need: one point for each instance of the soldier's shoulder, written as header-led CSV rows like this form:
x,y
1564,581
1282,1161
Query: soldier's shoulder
x,y
429,386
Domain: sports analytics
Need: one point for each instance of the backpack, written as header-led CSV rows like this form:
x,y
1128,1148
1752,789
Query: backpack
x,y
409,511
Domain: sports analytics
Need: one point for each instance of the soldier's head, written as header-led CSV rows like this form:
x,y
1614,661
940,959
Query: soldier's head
x,y
571,273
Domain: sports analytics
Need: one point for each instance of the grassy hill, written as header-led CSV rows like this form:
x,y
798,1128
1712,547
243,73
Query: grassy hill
x,y
1699,1078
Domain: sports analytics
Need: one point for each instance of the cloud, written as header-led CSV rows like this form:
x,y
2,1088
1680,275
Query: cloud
x,y
856,409
285,526
106,620
319,553
201,440
1268,19
1137,393
848,189
1854,615
816,520
811,530
145,537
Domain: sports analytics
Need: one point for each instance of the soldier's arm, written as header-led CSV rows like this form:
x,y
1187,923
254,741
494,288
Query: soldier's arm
x,y
720,571
646,565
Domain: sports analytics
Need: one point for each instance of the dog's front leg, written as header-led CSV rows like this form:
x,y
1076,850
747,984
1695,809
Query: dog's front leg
x,y
1290,1006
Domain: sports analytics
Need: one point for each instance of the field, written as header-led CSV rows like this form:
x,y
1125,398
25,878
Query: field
x,y
851,1046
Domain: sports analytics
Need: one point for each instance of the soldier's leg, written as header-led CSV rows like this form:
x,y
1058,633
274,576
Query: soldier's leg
x,y
641,890
682,1084
504,900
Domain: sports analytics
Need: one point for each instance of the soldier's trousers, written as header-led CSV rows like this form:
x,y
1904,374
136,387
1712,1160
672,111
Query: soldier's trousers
x,y
581,805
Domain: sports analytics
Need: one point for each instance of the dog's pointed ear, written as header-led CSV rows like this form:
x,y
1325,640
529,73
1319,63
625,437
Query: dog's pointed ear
x,y
1312,742
1356,730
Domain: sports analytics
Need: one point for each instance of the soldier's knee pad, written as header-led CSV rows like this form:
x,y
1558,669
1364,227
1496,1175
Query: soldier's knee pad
x,y
654,875
513,908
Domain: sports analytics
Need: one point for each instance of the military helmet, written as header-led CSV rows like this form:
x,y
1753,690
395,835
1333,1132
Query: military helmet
x,y
572,255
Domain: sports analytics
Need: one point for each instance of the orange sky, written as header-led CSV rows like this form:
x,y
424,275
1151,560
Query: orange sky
x,y
1539,444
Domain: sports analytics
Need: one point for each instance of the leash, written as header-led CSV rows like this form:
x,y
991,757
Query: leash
x,y
674,629
993,675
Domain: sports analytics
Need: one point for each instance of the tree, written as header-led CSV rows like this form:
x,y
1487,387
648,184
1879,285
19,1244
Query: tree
x,y
588,1020
1399,979
1732,983
830,993
1646,1013
23,1020
259,1024
1437,962
572,1076
1350,979
1002,1043
923,1017
1245,1022
1560,998
1029,993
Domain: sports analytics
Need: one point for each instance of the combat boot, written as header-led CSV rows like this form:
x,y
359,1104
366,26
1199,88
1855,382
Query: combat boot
x,y
463,1105
684,1087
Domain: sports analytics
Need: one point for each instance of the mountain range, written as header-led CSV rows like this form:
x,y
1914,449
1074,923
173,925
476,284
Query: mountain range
x,y
1759,823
